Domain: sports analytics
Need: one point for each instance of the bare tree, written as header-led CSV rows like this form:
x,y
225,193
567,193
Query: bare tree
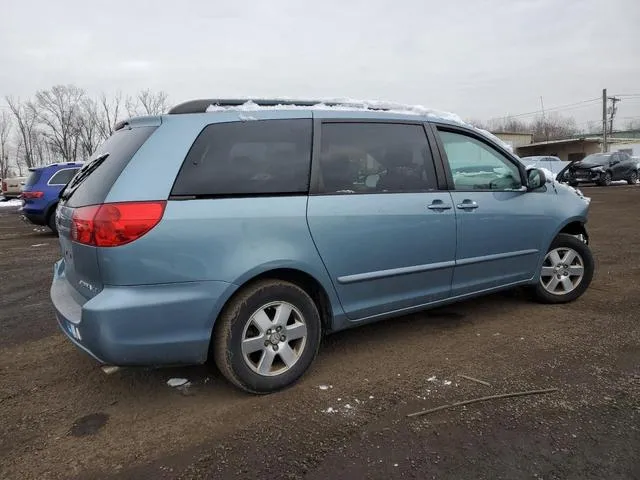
x,y
109,113
152,103
89,124
5,131
25,115
594,127
42,154
633,124
59,110
552,127
509,124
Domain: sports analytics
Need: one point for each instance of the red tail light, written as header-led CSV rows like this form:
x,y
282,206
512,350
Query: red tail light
x,y
4,186
27,195
115,224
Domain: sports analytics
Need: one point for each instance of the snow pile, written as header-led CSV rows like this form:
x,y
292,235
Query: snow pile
x,y
11,204
548,174
177,382
350,104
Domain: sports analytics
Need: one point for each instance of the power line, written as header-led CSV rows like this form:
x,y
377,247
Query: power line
x,y
567,106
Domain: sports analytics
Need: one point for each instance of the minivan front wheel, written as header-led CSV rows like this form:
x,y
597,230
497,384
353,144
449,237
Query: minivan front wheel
x,y
267,336
567,271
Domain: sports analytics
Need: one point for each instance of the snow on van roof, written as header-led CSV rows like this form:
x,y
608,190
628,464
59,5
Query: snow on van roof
x,y
349,104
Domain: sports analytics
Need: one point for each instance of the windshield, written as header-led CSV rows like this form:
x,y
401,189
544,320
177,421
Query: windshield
x,y
597,158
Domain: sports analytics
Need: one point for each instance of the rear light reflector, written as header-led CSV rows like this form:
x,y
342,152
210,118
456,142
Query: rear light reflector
x,y
28,195
115,224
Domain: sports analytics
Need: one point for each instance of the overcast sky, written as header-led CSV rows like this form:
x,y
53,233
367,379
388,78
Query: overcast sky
x,y
480,59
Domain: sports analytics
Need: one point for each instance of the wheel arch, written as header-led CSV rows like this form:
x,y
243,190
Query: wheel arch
x,y
575,227
50,210
321,296
571,226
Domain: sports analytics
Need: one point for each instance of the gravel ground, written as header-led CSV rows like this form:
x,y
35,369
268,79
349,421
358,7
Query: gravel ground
x,y
61,417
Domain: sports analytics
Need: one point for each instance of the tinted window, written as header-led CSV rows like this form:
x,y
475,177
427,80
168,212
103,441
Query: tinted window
x,y
34,177
248,158
120,147
374,158
62,177
476,166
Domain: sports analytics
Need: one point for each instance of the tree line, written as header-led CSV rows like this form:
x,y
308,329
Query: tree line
x,y
65,124
551,126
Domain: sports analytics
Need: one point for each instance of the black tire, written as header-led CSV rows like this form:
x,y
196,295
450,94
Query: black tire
x,y
51,221
230,326
633,178
605,181
568,241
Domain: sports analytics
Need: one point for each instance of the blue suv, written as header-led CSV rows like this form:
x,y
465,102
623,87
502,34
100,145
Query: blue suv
x,y
41,190
244,232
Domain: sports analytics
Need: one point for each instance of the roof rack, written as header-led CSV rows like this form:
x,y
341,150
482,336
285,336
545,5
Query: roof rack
x,y
200,106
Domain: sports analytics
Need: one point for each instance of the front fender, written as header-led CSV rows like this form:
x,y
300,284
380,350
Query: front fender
x,y
566,225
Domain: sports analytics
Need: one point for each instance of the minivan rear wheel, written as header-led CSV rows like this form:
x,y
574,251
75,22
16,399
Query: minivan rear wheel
x,y
567,271
267,336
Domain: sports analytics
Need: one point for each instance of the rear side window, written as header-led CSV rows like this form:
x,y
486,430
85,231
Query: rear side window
x,y
258,157
119,148
375,158
62,177
34,177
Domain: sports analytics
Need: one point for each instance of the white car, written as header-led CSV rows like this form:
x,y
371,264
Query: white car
x,y
553,164
12,187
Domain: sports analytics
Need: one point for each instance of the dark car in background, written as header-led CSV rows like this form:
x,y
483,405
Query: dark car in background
x,y
602,169
41,190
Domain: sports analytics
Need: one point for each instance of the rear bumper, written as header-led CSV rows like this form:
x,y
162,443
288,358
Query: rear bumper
x,y
149,325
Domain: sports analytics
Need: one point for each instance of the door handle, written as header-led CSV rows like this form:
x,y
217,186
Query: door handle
x,y
439,205
467,205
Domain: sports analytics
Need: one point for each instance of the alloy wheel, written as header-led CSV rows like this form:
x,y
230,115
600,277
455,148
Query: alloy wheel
x,y
562,271
274,338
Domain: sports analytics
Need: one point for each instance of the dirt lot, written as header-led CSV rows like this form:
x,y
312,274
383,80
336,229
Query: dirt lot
x,y
61,417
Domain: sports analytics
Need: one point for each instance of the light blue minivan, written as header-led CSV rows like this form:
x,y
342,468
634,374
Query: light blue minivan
x,y
244,232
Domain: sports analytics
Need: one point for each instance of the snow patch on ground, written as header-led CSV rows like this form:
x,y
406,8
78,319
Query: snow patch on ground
x,y
177,382
11,203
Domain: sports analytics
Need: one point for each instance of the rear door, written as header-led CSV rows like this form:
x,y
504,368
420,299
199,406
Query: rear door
x,y
90,187
501,226
621,166
385,232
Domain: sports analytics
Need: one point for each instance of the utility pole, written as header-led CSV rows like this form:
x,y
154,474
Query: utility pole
x,y
544,120
614,109
604,120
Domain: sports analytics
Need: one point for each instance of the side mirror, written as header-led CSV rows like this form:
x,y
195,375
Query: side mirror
x,y
372,181
535,178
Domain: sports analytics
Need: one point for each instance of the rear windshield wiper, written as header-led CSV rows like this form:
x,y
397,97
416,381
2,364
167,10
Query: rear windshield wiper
x,y
84,172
